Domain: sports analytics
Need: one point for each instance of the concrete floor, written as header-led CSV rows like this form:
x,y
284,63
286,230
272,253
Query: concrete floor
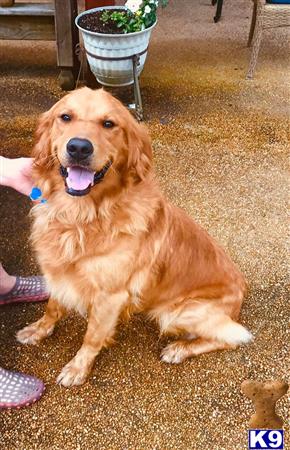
x,y
220,146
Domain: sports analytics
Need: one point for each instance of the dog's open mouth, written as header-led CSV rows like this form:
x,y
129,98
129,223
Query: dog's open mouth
x,y
79,180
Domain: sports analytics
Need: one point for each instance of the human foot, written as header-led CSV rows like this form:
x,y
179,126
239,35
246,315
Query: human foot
x,y
26,289
18,390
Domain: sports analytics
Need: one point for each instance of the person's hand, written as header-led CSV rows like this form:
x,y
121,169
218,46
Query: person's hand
x,y
16,173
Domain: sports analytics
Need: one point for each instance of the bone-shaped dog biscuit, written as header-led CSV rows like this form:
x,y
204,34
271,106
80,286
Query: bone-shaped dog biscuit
x,y
264,396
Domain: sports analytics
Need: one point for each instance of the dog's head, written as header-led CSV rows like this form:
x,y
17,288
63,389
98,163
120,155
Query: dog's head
x,y
87,138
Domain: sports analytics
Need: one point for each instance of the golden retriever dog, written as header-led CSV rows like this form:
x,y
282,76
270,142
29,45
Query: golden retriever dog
x,y
108,242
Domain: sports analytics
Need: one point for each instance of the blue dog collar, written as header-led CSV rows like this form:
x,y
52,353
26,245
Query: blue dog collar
x,y
36,195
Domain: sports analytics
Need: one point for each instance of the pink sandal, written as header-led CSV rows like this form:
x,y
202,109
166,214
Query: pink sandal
x,y
18,390
26,289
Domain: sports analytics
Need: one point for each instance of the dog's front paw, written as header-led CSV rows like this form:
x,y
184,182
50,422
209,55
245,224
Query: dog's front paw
x,y
72,375
34,333
173,353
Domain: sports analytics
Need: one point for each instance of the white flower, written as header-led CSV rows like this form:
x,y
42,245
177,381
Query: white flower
x,y
147,9
133,5
154,2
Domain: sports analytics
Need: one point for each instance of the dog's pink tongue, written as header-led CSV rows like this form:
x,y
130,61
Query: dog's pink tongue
x,y
79,178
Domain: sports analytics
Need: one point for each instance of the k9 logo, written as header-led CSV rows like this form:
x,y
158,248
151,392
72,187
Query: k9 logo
x,y
266,439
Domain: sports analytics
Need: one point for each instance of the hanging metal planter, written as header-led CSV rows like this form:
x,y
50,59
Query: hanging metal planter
x,y
110,55
116,59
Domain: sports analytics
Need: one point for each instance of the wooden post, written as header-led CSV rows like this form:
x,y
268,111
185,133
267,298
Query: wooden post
x,y
66,39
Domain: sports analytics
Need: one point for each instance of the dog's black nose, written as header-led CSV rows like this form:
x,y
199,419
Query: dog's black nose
x,y
79,149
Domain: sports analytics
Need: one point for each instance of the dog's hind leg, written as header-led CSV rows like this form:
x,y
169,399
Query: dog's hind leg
x,y
220,333
215,330
34,333
178,351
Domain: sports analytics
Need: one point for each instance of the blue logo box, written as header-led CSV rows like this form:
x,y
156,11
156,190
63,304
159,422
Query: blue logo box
x,y
266,439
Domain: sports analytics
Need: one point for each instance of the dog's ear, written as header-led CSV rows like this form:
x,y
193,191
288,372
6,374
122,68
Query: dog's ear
x,y
42,147
139,150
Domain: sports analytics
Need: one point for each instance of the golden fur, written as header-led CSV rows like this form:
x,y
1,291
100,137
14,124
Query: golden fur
x,y
123,246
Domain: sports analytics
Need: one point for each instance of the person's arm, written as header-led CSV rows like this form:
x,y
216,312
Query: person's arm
x,y
16,173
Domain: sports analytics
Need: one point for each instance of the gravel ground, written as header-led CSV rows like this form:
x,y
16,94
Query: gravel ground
x,y
220,146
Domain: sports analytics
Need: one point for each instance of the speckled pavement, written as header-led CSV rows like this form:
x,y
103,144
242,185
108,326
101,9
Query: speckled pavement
x,y
220,147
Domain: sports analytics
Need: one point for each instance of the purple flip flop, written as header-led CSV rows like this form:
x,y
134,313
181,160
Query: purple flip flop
x,y
26,289
18,390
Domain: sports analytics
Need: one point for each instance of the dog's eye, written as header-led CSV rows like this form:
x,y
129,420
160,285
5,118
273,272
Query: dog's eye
x,y
65,117
108,124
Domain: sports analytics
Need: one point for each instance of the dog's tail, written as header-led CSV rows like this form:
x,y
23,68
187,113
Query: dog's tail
x,y
224,329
